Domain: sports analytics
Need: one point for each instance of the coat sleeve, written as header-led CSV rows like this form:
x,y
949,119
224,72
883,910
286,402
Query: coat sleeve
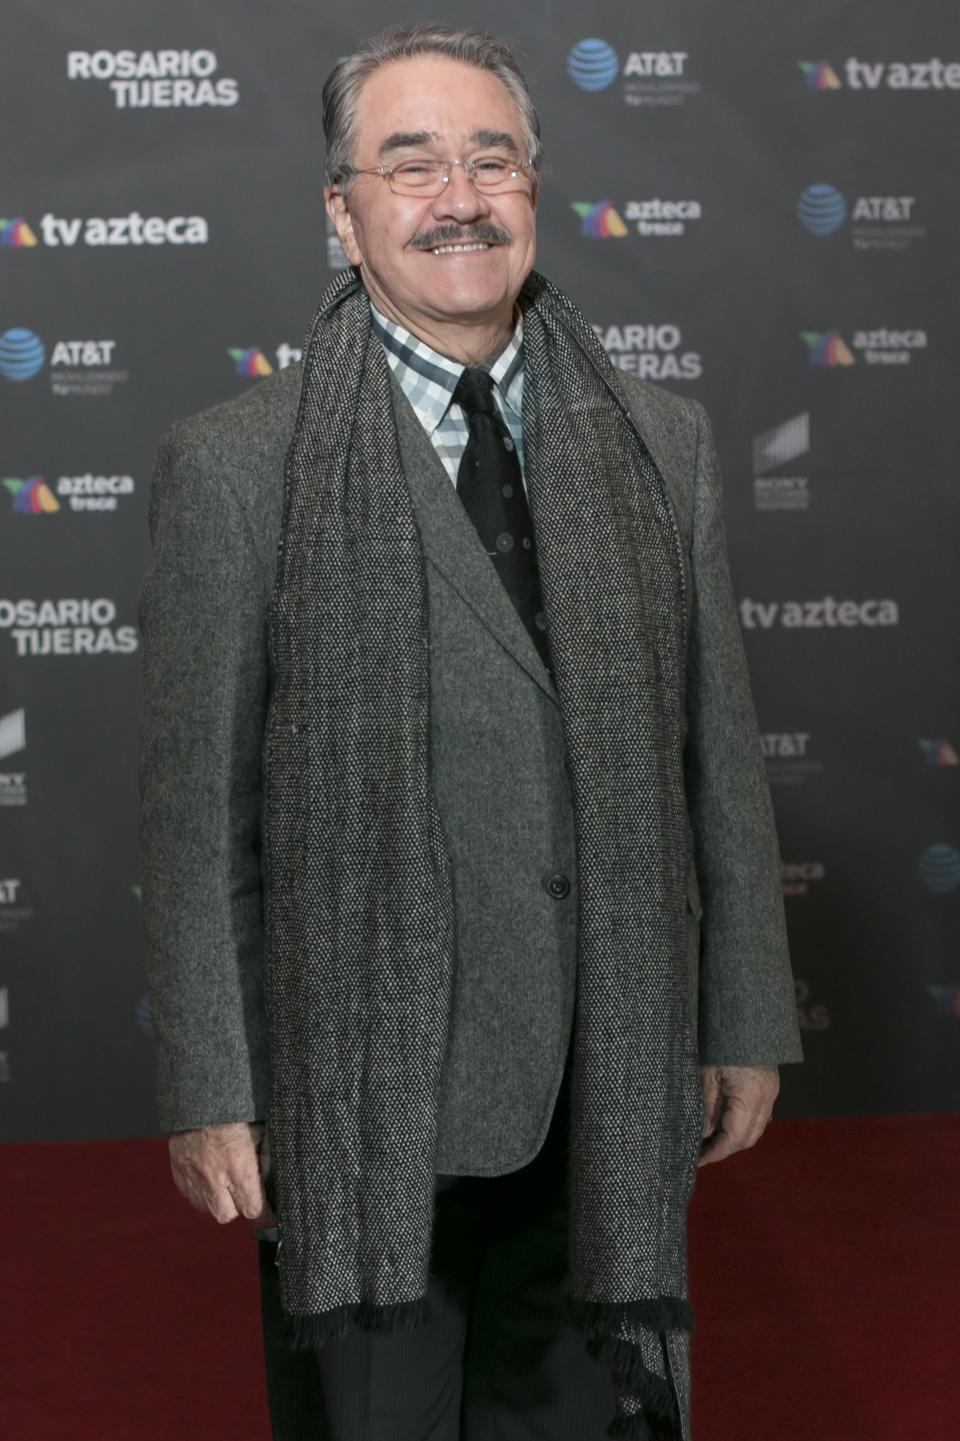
x,y
202,616
747,1006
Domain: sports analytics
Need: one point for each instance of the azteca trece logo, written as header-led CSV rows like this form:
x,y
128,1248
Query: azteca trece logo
x,y
647,77
13,739
76,367
16,234
797,877
946,999
938,753
877,222
653,352
156,79
96,230
819,75
933,74
652,218
66,627
773,449
600,220
252,363
827,348
34,496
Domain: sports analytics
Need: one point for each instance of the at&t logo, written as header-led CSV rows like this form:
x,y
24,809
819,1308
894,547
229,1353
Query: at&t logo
x,y
939,869
648,77
877,222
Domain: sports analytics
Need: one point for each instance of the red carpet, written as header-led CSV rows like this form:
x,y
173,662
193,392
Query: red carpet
x,y
825,1273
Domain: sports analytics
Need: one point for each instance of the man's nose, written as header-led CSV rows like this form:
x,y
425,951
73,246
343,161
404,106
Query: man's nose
x,y
460,198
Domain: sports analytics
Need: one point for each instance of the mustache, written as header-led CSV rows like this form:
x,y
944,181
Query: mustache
x,y
482,230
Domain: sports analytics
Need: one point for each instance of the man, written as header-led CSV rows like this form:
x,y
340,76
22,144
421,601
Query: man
x,y
446,730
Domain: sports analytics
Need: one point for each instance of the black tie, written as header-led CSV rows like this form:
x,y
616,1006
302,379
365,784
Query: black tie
x,y
490,484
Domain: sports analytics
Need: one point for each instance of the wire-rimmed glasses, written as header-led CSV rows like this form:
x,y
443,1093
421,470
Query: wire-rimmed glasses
x,y
493,173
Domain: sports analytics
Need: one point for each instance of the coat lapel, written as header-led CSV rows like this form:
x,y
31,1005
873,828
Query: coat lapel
x,y
451,541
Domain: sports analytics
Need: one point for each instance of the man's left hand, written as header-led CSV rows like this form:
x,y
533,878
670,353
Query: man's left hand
x,y
737,1104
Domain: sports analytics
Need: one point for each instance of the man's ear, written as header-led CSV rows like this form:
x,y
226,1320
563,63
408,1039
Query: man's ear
x,y
336,208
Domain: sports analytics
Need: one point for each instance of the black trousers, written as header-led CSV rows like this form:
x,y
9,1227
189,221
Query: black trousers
x,y
496,1363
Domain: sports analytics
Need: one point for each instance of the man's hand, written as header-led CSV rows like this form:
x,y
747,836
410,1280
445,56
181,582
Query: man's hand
x,y
217,1168
737,1104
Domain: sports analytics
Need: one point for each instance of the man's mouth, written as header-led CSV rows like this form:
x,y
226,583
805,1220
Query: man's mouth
x,y
447,240
457,249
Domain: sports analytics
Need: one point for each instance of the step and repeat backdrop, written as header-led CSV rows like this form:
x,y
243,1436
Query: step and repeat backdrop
x,y
754,204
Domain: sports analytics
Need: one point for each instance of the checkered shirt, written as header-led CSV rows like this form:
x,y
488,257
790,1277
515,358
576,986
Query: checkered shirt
x,y
429,380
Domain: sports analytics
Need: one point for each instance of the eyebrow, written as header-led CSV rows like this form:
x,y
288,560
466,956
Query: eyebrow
x,y
409,139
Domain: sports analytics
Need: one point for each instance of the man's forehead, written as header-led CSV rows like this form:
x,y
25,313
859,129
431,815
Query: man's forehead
x,y
421,139
436,98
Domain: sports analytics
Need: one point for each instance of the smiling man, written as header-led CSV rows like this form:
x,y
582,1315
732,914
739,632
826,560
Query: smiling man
x,y
465,940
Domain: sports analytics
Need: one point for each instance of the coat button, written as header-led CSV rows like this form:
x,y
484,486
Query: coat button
x,y
558,886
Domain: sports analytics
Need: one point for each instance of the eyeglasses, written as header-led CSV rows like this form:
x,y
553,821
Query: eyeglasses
x,y
492,174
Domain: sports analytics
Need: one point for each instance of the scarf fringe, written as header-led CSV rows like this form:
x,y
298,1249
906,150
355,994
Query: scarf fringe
x,y
639,1428
658,1418
660,1313
307,1332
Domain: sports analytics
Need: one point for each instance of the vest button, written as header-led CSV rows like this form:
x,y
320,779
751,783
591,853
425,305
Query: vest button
x,y
558,886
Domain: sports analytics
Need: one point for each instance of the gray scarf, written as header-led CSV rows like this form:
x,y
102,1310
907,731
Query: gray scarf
x,y
360,949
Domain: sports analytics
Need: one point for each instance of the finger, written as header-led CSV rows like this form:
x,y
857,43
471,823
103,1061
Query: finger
x,y
204,1193
716,1150
249,1196
265,1219
712,1098
221,1206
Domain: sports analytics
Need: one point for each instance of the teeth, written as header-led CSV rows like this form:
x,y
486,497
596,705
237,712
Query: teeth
x,y
452,249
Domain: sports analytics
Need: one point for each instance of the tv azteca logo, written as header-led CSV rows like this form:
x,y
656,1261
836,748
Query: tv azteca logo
x,y
132,229
648,77
155,79
878,222
933,74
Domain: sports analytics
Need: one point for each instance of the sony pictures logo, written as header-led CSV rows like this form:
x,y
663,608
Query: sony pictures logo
x,y
773,487
13,740
647,77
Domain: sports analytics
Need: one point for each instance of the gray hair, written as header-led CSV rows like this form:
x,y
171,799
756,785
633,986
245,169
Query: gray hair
x,y
471,47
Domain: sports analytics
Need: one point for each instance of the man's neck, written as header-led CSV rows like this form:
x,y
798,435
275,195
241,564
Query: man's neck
x,y
468,344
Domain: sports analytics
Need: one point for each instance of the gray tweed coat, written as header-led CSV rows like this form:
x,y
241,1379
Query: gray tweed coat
x,y
499,771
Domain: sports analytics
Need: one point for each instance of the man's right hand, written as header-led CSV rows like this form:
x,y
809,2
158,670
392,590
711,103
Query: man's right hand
x,y
217,1168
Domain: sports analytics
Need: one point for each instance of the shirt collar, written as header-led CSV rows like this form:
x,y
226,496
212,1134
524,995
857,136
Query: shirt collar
x,y
416,364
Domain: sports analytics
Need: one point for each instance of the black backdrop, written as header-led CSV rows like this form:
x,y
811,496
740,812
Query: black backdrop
x,y
756,205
